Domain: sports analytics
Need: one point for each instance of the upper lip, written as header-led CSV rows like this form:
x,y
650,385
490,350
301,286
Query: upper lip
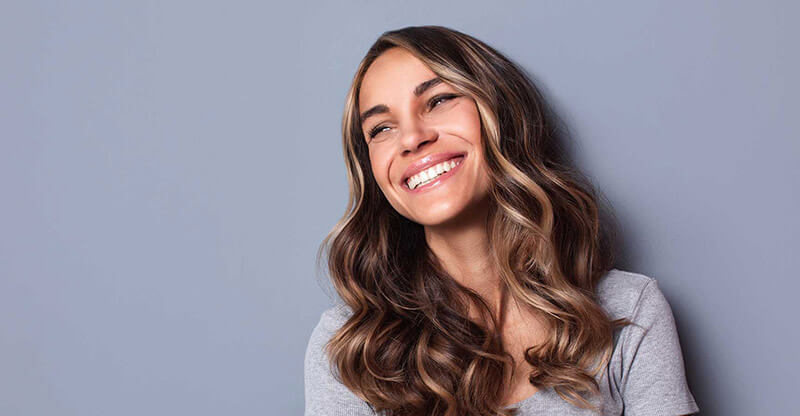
x,y
427,161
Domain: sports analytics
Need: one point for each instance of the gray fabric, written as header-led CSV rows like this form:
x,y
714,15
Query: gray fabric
x,y
645,376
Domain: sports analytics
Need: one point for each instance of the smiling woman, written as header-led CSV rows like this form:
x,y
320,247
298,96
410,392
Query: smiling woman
x,y
424,140
474,273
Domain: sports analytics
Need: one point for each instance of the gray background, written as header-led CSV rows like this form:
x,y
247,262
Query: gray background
x,y
168,170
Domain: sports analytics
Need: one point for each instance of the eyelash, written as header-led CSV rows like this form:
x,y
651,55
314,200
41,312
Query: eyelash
x,y
377,129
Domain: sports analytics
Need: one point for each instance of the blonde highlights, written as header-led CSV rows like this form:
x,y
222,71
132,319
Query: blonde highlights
x,y
409,348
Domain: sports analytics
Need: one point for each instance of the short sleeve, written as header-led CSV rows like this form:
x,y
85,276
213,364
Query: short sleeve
x,y
324,395
654,379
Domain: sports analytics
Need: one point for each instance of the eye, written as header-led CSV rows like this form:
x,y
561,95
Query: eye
x,y
377,129
439,99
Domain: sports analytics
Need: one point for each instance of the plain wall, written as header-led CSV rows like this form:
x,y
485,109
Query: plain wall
x,y
168,170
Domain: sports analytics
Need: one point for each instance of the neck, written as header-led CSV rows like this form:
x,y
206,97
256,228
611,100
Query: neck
x,y
462,246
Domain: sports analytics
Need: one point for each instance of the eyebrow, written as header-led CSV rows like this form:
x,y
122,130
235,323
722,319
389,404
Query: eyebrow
x,y
382,108
426,85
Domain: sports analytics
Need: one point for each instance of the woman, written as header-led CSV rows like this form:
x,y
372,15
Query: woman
x,y
474,275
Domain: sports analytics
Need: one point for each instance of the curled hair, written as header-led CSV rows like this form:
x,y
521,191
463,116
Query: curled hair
x,y
409,347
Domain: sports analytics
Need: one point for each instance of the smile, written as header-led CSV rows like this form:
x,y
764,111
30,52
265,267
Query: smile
x,y
433,176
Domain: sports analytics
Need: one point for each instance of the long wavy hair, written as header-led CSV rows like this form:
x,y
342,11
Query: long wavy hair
x,y
409,347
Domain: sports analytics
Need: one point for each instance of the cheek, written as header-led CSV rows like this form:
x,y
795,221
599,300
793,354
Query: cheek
x,y
466,122
380,169
473,120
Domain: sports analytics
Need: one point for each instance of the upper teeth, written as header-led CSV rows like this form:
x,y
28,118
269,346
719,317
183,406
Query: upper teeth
x,y
431,173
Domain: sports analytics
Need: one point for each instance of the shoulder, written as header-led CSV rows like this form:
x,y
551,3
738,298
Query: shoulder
x,y
650,374
324,393
334,317
330,320
622,293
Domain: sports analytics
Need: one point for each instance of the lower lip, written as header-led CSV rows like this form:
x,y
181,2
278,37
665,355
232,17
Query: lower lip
x,y
441,178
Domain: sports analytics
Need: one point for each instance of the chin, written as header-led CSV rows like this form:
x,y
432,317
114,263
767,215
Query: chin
x,y
439,217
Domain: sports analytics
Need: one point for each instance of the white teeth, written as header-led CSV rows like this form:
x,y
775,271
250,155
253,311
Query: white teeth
x,y
431,173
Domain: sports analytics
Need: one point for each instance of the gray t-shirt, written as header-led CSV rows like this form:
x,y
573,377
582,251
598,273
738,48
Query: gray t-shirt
x,y
645,376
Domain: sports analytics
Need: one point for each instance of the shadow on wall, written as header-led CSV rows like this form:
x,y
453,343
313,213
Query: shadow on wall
x,y
624,257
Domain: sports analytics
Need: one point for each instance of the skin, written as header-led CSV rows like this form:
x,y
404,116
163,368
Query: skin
x,y
454,212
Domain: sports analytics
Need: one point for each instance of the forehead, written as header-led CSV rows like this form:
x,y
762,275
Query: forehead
x,y
393,74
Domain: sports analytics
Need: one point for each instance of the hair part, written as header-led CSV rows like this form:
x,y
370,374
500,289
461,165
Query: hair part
x,y
409,348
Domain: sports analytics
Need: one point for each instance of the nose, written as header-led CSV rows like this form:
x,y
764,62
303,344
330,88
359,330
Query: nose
x,y
417,135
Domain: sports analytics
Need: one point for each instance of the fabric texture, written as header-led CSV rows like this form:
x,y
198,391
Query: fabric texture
x,y
645,376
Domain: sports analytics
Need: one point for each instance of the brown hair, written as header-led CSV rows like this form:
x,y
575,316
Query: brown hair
x,y
409,348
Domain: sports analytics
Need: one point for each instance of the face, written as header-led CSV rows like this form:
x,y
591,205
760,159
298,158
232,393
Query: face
x,y
419,127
